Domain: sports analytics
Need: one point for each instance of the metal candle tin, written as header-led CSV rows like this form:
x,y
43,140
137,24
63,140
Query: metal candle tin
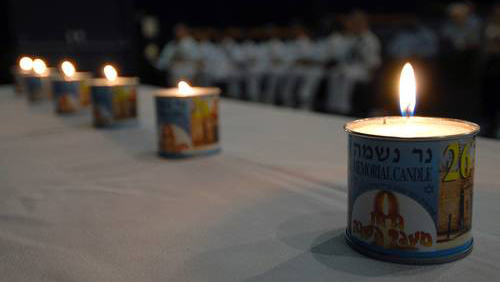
x,y
38,87
113,102
188,125
410,199
70,94
19,79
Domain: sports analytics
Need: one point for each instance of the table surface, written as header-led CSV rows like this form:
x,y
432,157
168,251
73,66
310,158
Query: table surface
x,y
80,204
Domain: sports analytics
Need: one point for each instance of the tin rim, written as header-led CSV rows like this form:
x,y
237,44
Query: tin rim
x,y
473,132
78,77
120,81
172,92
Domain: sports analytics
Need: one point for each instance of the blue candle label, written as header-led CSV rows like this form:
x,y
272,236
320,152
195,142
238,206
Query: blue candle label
x,y
408,197
187,126
37,88
66,96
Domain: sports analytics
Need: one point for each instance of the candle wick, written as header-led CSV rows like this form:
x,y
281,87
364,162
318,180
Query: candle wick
x,y
407,111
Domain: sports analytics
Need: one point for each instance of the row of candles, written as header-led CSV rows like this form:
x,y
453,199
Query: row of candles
x,y
401,170
187,117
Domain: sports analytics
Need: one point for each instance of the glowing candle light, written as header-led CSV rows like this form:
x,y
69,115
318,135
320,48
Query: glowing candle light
x,y
184,88
26,63
407,91
409,127
68,69
110,73
39,67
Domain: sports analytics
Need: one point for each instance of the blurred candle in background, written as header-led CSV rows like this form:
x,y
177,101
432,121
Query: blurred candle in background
x,y
114,98
24,67
187,120
71,89
37,82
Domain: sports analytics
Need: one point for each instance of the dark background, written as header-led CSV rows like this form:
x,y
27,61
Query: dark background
x,y
93,33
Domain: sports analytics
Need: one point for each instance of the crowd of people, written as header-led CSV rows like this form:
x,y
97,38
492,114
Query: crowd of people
x,y
273,64
291,65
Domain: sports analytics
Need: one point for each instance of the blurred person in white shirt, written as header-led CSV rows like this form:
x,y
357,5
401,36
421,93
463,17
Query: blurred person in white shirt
x,y
279,56
215,63
462,30
180,57
305,72
355,54
256,58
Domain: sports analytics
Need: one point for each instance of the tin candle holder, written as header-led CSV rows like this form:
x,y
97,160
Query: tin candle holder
x,y
38,85
410,182
71,93
19,80
24,68
187,121
410,195
113,101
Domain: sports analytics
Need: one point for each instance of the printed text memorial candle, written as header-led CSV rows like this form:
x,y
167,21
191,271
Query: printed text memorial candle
x,y
410,183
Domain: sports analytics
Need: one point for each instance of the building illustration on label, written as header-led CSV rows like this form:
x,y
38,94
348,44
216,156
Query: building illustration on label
x,y
386,225
455,197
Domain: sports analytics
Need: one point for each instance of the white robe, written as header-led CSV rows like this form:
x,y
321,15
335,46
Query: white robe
x,y
357,57
181,59
280,56
257,62
303,79
235,73
215,64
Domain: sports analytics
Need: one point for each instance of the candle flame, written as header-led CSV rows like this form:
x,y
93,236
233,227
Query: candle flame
x,y
407,91
110,73
184,88
26,63
39,66
68,68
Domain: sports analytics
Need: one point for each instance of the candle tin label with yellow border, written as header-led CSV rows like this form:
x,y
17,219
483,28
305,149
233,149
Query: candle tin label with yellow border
x,y
411,201
84,92
113,104
187,126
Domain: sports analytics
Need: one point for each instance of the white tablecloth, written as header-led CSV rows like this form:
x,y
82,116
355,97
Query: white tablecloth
x,y
80,204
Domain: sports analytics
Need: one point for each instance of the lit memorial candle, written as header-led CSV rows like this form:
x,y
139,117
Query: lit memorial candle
x,y
114,98
187,120
410,184
70,89
19,72
38,82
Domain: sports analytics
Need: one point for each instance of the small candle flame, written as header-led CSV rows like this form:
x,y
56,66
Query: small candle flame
x,y
407,91
26,63
68,69
110,73
184,88
39,66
